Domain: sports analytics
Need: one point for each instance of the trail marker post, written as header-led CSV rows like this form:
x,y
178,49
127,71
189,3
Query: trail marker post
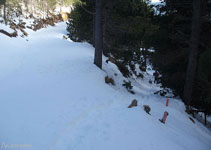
x,y
167,102
165,115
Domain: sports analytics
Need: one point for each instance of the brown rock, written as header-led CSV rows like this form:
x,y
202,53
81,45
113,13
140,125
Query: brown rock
x,y
147,109
109,80
134,103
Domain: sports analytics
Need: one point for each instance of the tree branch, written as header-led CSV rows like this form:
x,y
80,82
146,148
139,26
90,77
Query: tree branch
x,y
8,34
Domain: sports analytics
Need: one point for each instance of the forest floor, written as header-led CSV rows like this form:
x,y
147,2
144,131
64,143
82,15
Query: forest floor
x,y
52,97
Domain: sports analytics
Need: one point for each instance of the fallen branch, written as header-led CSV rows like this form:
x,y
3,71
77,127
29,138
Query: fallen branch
x,y
14,34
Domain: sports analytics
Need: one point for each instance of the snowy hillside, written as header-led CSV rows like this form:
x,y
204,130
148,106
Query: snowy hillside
x,y
52,97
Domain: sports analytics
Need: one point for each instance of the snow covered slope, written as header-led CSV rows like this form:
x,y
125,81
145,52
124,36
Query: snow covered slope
x,y
52,97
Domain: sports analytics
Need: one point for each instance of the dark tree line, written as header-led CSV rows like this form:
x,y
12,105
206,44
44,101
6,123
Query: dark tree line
x,y
182,44
126,26
124,30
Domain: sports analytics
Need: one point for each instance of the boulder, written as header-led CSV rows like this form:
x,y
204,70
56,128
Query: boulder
x,y
109,80
147,109
134,103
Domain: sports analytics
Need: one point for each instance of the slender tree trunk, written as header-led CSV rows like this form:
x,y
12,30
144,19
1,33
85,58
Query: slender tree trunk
x,y
94,30
5,18
104,26
98,35
193,52
145,59
205,118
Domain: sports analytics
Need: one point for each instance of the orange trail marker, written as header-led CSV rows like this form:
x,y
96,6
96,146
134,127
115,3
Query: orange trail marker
x,y
167,102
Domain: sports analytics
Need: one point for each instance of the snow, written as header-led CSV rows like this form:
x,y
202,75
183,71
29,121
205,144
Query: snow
x,y
53,97
155,1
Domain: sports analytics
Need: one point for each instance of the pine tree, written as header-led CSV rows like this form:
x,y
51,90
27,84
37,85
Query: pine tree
x,y
125,24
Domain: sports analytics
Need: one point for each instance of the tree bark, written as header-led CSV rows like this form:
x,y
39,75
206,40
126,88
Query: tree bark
x,y
104,28
98,35
193,52
145,59
205,118
5,18
93,28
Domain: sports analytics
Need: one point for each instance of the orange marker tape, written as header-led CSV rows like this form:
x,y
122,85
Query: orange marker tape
x,y
167,102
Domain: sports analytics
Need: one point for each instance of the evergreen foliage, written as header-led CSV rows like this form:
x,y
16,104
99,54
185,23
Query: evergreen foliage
x,y
80,25
172,45
131,27
127,27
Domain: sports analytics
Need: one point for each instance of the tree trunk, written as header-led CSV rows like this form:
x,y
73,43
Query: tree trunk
x,y
205,118
104,26
94,30
193,52
145,59
5,18
98,35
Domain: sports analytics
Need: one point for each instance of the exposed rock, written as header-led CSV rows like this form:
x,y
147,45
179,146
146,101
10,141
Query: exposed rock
x,y
147,109
109,80
37,24
65,37
134,103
